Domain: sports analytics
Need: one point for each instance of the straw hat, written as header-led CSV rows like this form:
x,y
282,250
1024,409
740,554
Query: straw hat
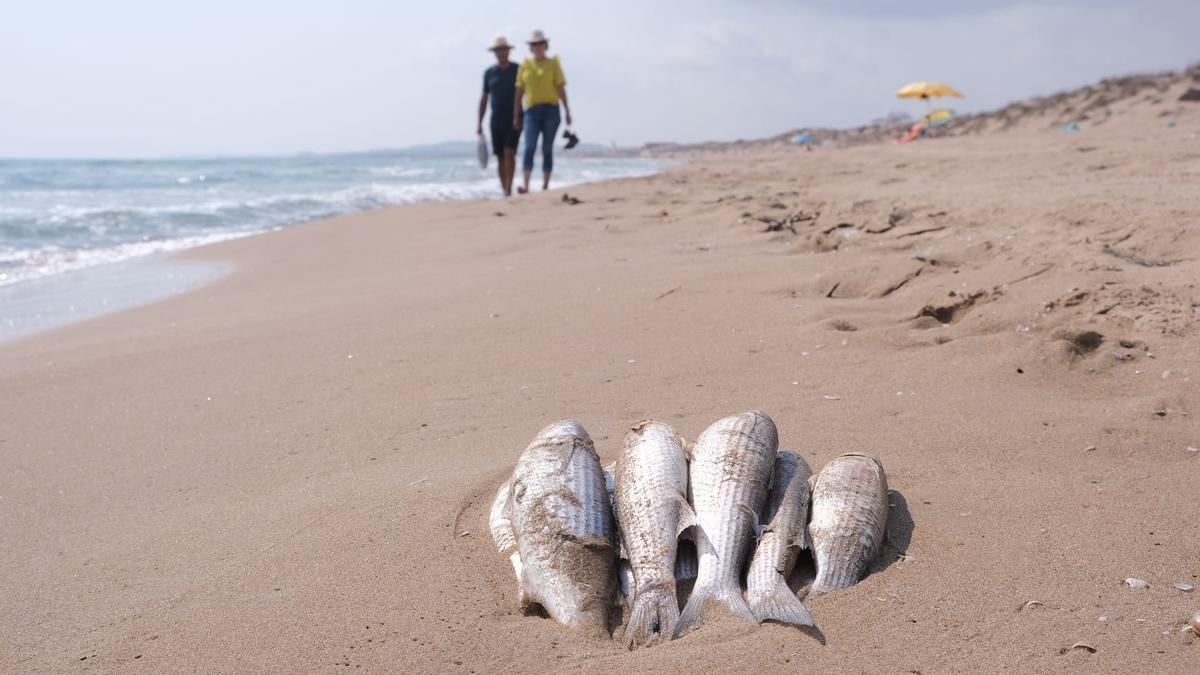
x,y
538,36
500,43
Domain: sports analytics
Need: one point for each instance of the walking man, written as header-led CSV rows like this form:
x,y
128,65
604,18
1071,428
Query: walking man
x,y
499,83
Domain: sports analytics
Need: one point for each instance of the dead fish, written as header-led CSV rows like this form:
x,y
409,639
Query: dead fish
x,y
729,475
849,515
652,509
686,562
556,518
785,534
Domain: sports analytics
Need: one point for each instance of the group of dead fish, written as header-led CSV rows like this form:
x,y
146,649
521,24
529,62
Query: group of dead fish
x,y
576,532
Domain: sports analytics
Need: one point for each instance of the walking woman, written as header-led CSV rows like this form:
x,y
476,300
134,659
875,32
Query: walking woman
x,y
541,83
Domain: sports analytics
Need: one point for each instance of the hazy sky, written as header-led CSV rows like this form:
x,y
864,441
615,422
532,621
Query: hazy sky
x,y
123,78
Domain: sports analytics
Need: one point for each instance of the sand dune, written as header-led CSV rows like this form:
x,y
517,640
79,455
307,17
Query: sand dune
x,y
289,469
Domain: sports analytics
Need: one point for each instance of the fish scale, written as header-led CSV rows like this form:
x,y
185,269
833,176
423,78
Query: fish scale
x,y
730,471
849,518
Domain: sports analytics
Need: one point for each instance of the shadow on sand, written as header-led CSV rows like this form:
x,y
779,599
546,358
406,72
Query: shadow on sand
x,y
900,527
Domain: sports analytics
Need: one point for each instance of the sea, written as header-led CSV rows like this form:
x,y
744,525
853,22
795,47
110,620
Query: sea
x,y
70,226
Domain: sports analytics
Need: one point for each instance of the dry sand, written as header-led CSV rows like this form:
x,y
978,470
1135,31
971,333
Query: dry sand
x,y
288,469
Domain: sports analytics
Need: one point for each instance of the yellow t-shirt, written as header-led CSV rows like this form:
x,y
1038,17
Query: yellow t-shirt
x,y
540,79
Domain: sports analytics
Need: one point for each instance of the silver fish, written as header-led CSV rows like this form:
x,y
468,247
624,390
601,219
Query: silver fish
x,y
652,509
686,563
555,517
784,535
730,473
849,516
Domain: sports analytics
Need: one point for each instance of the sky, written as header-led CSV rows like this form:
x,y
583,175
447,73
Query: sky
x,y
142,78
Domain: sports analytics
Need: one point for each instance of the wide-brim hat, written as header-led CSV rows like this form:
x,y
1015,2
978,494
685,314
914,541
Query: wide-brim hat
x,y
500,43
538,36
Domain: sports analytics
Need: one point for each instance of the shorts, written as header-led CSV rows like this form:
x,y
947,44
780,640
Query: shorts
x,y
504,138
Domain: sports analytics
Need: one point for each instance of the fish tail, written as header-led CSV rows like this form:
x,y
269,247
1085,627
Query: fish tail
x,y
779,603
727,594
655,610
831,577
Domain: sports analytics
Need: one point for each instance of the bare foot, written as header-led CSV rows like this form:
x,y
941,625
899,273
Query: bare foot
x,y
522,190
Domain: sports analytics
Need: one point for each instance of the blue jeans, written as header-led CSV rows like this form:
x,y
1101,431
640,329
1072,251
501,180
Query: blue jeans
x,y
540,119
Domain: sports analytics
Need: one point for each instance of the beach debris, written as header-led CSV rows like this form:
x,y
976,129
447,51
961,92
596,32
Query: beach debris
x,y
1192,451
849,515
1091,649
555,521
568,199
951,311
419,480
787,222
1122,356
1031,604
1186,588
1196,623
1082,342
650,498
1090,448
1103,618
731,465
832,397
784,534
1137,583
664,294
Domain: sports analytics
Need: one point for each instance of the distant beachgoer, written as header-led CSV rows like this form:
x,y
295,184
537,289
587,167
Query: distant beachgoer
x,y
499,83
541,83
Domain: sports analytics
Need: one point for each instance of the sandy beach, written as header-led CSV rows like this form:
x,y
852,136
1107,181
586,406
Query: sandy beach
x,y
288,469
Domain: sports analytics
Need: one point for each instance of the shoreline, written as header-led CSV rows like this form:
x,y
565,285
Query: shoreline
x,y
290,468
34,305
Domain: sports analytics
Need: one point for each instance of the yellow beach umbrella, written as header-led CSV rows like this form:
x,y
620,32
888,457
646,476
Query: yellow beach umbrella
x,y
927,90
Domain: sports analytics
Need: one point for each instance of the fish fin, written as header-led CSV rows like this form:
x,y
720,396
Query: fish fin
x,y
499,521
781,604
693,614
758,526
799,539
515,559
656,610
687,518
625,581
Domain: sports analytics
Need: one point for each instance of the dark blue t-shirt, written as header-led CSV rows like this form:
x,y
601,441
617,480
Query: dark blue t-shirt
x,y
501,84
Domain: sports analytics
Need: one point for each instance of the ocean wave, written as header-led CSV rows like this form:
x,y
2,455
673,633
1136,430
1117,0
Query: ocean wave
x,y
170,205
50,260
400,171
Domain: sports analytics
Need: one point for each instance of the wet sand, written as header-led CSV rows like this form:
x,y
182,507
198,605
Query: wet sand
x,y
288,469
